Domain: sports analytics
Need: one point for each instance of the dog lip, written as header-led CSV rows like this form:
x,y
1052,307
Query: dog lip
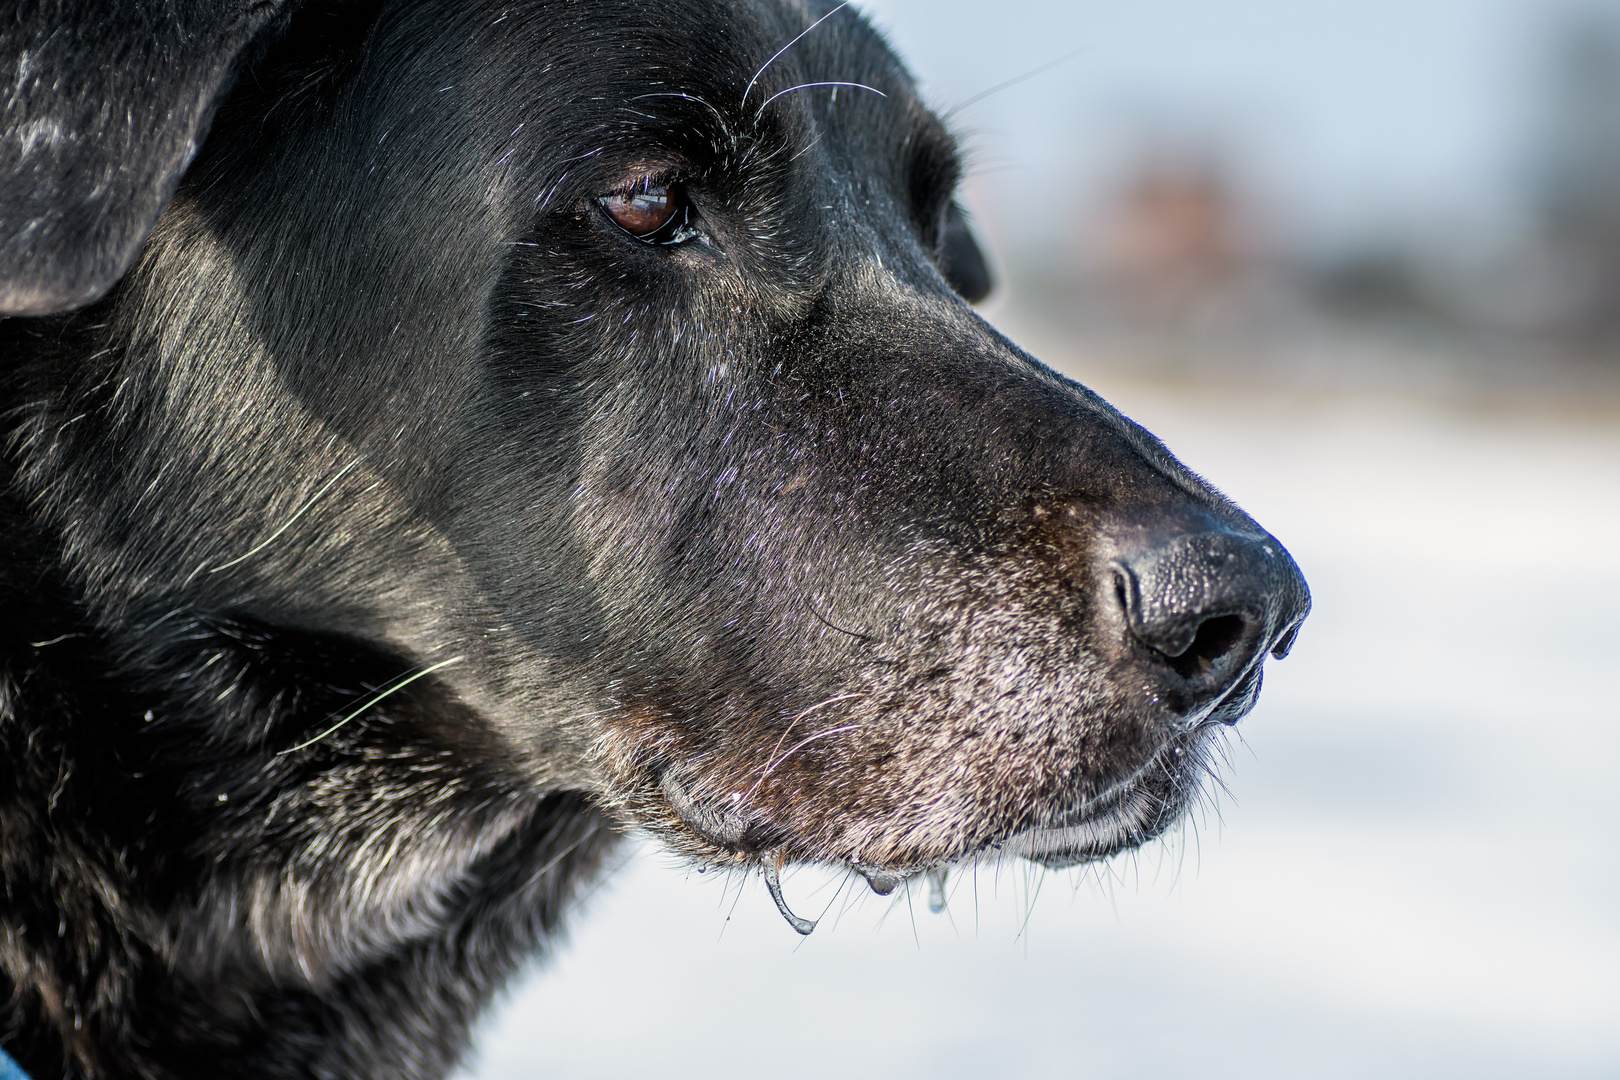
x,y
1088,840
723,826
721,822
1124,815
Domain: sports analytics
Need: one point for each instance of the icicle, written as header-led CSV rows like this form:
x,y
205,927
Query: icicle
x,y
769,871
882,883
936,889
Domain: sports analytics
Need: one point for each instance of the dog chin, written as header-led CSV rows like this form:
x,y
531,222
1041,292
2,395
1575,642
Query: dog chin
x,y
1127,816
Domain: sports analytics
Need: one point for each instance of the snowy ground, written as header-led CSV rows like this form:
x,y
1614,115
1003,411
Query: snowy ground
x,y
1417,873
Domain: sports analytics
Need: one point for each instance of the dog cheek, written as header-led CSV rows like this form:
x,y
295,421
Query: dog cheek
x,y
911,765
928,786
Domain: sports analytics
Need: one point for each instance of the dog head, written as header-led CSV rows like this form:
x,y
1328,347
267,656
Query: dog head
x,y
611,365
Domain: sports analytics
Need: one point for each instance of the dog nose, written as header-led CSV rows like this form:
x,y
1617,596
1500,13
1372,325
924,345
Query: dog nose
x,y
1207,605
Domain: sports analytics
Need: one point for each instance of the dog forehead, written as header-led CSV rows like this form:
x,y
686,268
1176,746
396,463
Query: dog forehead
x,y
562,99
755,46
742,61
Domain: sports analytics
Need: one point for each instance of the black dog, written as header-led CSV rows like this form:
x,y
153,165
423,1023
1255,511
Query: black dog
x,y
525,419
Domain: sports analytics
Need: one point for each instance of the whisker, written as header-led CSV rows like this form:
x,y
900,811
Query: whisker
x,y
381,695
794,749
818,705
742,883
810,85
1010,83
1032,893
267,541
747,89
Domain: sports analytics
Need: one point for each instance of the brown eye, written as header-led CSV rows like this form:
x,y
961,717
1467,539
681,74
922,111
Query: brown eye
x,y
642,212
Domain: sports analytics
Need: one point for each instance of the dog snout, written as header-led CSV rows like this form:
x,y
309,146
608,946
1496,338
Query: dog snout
x,y
1203,607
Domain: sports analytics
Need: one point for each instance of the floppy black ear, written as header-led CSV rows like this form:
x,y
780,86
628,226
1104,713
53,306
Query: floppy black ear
x,y
961,261
102,106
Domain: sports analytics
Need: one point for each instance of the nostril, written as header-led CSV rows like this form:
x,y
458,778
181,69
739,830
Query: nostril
x,y
1198,610
1190,645
1215,638
1285,643
1204,604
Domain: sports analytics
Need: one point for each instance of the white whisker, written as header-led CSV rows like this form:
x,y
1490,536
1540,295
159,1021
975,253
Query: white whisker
x,y
389,692
823,703
747,89
267,541
794,749
809,85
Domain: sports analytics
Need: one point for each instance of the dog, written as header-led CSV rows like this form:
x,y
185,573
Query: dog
x,y
440,435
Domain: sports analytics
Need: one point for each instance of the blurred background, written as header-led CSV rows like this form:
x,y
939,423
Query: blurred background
x,y
1358,262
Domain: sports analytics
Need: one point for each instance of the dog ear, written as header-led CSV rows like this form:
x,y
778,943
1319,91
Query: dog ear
x,y
103,104
961,260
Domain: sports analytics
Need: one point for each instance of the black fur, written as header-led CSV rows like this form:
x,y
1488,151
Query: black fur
x,y
400,527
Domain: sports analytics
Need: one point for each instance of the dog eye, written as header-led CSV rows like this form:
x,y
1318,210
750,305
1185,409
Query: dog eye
x,y
641,213
656,213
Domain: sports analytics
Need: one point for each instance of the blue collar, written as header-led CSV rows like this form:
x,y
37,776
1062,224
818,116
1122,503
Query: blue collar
x,y
10,1070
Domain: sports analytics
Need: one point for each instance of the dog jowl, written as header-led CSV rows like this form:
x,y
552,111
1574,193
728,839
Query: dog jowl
x,y
526,421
